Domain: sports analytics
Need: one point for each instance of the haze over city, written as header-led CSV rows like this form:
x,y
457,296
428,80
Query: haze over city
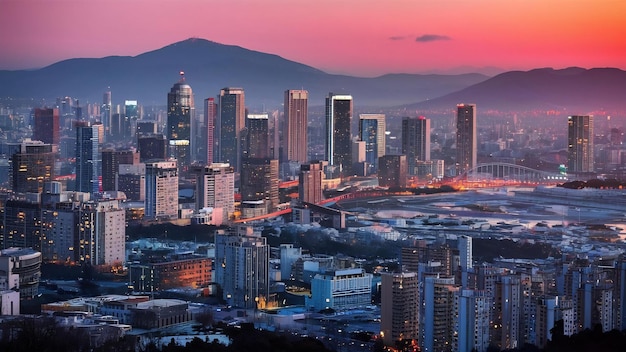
x,y
347,176
355,37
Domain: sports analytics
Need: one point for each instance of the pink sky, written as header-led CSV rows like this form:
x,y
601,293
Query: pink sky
x,y
358,37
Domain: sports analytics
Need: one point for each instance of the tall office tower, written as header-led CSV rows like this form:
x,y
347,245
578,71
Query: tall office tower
x,y
131,115
161,190
111,159
259,181
210,114
32,165
415,141
180,112
22,224
46,126
116,127
88,162
296,118
105,113
437,315
466,142
580,144
215,188
310,182
392,171
338,134
399,307
232,120
152,147
257,136
101,233
242,268
473,321
372,132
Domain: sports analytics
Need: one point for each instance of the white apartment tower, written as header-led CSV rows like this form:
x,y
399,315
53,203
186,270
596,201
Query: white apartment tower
x,y
161,190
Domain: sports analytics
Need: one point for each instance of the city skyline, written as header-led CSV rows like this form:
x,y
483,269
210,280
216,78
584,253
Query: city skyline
x,y
400,36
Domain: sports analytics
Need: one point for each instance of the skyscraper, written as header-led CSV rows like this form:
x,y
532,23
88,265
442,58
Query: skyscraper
x,y
580,144
152,147
161,190
466,142
210,114
232,120
415,141
32,165
257,136
46,126
372,132
180,112
259,181
338,134
105,113
310,185
131,115
88,162
296,118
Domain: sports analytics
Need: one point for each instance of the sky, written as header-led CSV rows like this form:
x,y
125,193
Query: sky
x,y
355,37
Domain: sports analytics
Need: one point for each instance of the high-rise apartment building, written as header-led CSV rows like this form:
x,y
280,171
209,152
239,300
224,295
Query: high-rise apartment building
x,y
415,141
180,113
338,134
437,315
310,182
580,144
88,159
242,267
215,188
256,141
399,307
32,165
372,132
472,325
101,233
232,120
210,115
466,141
161,190
296,119
46,126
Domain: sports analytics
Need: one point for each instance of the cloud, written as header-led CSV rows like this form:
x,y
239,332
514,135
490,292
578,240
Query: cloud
x,y
426,38
397,37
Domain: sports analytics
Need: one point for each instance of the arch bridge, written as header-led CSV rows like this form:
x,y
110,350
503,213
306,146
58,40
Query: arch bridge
x,y
510,172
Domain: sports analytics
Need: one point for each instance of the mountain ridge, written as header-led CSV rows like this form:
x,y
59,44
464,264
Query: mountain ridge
x,y
210,66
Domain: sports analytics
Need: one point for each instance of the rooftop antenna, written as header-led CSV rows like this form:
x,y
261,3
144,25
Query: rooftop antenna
x,y
182,76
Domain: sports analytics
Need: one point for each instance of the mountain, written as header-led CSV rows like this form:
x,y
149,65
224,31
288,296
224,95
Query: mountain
x,y
574,89
210,66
